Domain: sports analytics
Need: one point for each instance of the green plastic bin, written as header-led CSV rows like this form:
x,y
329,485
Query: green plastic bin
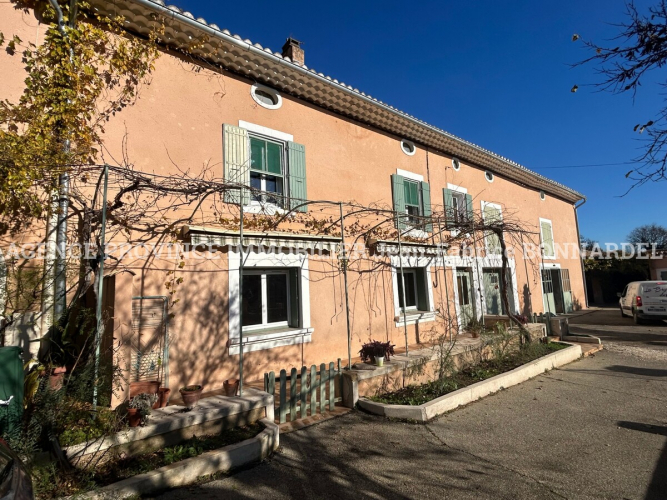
x,y
11,386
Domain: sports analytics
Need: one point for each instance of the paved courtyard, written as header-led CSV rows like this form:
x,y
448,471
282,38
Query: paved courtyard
x,y
595,429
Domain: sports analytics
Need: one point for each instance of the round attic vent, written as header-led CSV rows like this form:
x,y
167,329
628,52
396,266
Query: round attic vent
x,y
408,147
456,164
266,96
489,176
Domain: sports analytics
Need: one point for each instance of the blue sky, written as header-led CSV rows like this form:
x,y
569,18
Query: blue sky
x,y
493,72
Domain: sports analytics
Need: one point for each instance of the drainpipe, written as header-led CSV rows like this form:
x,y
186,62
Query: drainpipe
x,y
60,276
581,255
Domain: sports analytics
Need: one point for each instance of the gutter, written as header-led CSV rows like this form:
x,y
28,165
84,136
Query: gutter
x,y
201,25
581,254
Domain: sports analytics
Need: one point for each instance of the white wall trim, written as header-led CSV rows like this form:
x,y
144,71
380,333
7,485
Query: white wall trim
x,y
410,175
458,189
266,339
269,132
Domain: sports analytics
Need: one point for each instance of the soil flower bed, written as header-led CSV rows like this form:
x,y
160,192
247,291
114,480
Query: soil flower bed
x,y
420,394
51,482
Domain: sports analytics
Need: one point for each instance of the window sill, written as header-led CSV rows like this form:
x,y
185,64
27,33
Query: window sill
x,y
257,207
412,317
258,340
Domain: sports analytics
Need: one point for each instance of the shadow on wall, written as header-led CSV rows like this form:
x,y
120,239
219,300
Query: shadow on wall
x,y
527,312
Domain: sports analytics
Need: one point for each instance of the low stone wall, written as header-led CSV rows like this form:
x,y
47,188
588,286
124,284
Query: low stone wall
x,y
190,470
174,424
427,411
419,367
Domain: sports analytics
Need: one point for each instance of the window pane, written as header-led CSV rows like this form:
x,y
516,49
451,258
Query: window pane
x,y
274,185
274,153
257,148
252,300
256,183
410,292
413,212
276,296
411,193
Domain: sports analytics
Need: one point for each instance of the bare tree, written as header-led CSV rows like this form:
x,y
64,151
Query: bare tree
x,y
638,51
650,234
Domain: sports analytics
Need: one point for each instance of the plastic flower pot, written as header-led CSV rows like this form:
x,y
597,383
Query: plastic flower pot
x,y
191,395
133,417
231,387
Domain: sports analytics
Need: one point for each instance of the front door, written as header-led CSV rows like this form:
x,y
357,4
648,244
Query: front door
x,y
492,295
548,292
466,303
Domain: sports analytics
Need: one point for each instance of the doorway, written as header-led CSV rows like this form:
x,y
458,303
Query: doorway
x,y
556,291
466,301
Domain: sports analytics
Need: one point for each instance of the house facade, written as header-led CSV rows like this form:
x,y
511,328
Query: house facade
x,y
316,150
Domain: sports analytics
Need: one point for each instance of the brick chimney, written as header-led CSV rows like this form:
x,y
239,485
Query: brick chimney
x,y
293,50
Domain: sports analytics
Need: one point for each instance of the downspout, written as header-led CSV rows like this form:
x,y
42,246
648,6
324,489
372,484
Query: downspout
x,y
581,254
60,276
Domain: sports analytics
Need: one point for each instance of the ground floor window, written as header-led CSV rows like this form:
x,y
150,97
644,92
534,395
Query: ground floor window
x,y
416,292
270,297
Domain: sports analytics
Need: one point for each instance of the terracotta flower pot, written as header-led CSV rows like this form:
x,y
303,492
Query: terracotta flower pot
x,y
191,395
56,377
231,387
163,397
133,417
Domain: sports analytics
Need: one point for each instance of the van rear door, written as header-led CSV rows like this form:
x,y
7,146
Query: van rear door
x,y
654,297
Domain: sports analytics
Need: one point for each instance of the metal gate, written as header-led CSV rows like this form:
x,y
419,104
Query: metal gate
x,y
150,340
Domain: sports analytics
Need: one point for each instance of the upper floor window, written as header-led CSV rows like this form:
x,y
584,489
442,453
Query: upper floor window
x,y
412,201
492,214
458,205
547,237
269,162
267,170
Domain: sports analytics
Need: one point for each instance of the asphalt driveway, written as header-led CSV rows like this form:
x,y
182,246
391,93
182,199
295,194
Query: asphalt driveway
x,y
595,429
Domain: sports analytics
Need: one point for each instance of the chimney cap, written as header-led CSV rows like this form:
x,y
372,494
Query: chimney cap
x,y
291,41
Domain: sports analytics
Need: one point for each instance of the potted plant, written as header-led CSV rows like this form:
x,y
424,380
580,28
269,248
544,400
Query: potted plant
x,y
163,397
376,351
139,408
231,387
191,395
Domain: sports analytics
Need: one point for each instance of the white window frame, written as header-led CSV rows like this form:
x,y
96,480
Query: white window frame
x,y
265,324
415,315
257,207
407,272
270,337
484,204
460,192
553,242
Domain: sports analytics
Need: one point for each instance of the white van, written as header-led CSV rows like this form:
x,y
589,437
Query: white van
x,y
644,300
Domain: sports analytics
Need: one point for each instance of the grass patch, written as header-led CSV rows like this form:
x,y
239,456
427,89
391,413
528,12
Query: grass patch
x,y
420,394
51,482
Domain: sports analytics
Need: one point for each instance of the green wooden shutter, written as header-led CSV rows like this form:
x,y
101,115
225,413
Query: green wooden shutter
x,y
236,161
469,208
398,194
426,206
547,239
295,297
297,175
448,201
422,289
